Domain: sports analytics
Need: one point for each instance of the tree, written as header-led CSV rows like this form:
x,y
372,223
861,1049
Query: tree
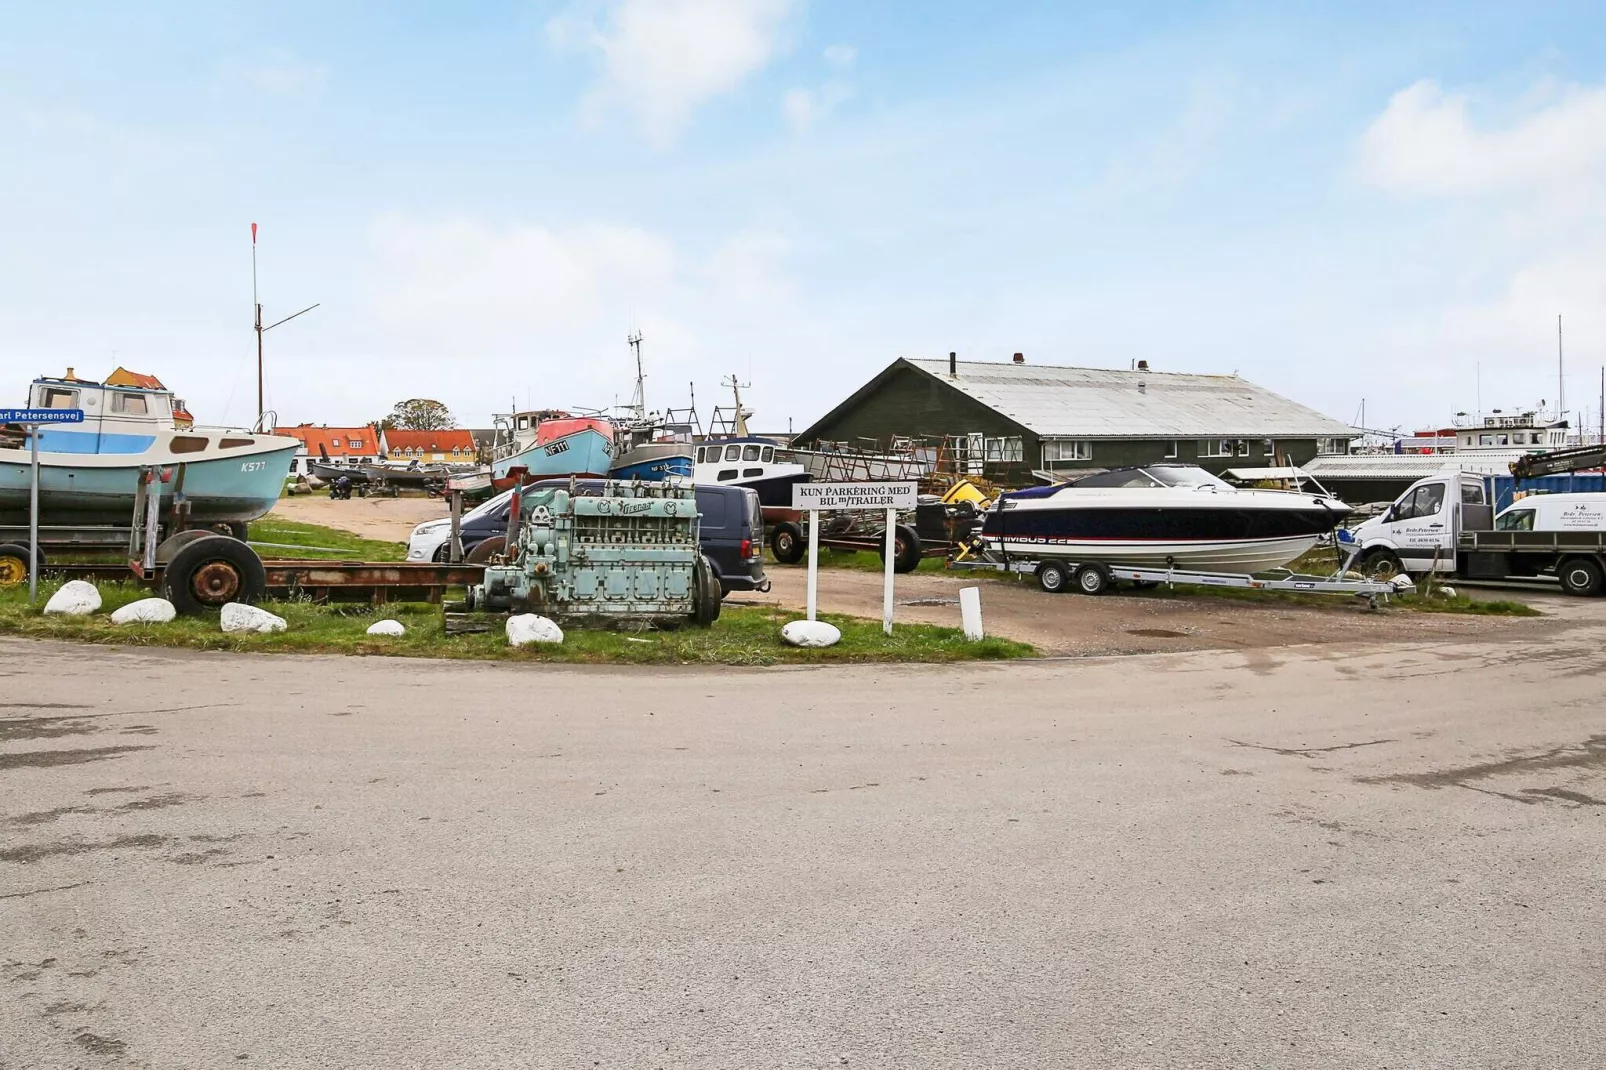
x,y
420,414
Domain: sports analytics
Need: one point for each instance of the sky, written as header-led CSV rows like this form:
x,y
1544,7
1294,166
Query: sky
x,y
1351,202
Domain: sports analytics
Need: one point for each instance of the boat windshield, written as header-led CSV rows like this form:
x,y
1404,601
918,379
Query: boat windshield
x,y
1185,476
1121,477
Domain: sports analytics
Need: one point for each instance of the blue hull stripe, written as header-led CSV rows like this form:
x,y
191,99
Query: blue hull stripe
x,y
56,441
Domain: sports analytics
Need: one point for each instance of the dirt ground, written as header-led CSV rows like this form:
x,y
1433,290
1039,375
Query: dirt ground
x,y
1066,625
371,518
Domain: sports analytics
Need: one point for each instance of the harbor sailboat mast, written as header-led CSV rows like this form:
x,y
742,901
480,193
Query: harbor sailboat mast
x,y
256,304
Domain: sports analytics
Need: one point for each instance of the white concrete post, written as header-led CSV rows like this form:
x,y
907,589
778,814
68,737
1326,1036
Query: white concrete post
x,y
814,559
886,583
970,613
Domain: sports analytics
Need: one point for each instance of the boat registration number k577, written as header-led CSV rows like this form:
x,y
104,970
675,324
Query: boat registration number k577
x,y
253,466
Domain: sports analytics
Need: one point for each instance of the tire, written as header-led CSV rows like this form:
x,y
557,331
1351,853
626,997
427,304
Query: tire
x,y
1381,564
1092,579
482,554
705,593
1145,585
169,547
14,563
786,543
905,549
211,571
1581,576
1052,577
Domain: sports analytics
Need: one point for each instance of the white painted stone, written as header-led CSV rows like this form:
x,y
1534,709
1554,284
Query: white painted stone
x,y
812,633
145,611
387,627
76,598
1446,592
528,628
239,617
1402,581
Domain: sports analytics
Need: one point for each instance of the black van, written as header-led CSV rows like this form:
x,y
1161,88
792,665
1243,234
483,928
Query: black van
x,y
731,532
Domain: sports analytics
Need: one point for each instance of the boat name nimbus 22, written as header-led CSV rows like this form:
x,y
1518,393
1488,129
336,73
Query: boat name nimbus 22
x,y
1160,516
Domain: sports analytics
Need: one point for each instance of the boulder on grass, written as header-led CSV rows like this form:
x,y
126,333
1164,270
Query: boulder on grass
x,y
812,633
387,627
526,628
75,599
239,617
145,611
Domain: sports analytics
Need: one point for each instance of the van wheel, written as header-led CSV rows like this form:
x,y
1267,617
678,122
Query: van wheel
x,y
1581,576
1052,577
786,543
1381,565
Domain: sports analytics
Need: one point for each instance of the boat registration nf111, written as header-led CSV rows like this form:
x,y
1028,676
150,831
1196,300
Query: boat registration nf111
x,y
829,496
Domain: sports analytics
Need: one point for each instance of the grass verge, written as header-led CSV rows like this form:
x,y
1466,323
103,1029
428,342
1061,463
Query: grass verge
x,y
320,542
741,636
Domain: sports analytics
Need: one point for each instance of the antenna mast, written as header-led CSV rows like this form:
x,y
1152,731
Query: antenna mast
x,y
736,386
1561,375
261,408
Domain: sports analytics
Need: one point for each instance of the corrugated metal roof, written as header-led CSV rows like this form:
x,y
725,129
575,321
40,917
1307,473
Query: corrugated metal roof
x,y
1107,403
1411,465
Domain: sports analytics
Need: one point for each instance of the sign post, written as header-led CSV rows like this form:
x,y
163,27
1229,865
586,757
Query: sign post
x,y
31,419
815,498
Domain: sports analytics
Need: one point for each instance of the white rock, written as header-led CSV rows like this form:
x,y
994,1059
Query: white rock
x,y
810,633
387,627
239,617
1446,592
75,599
145,611
529,628
1402,581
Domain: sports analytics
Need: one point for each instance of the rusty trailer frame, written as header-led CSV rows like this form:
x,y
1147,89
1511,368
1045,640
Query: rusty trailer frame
x,y
373,582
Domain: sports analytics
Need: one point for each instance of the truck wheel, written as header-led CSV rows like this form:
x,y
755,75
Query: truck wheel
x,y
1381,565
14,563
786,543
1581,576
705,597
211,571
1092,579
1052,577
906,549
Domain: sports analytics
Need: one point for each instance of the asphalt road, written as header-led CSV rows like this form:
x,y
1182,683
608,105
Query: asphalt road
x,y
1300,857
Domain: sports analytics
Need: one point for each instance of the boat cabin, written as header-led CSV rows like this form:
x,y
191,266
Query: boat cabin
x,y
117,419
734,459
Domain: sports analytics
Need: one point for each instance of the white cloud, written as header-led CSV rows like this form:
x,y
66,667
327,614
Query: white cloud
x,y
1427,142
662,59
748,266
840,56
805,107
278,72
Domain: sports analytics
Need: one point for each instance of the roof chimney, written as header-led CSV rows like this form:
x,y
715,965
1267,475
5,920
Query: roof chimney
x,y
70,375
1020,358
1143,365
953,365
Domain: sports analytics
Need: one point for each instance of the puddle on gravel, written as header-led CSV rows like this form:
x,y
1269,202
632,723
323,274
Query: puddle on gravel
x,y
1157,633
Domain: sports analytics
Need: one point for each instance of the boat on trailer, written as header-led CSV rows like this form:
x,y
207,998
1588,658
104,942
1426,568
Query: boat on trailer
x,y
1161,516
548,442
88,472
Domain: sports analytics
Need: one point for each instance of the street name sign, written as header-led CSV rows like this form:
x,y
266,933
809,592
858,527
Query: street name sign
x,y
41,416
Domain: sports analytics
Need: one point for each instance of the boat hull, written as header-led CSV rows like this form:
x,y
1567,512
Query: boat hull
x,y
586,452
1235,540
91,489
655,461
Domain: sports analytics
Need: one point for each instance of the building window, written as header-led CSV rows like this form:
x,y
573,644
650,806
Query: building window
x,y
1066,449
1338,447
1004,450
1171,450
355,444
1215,447
1243,448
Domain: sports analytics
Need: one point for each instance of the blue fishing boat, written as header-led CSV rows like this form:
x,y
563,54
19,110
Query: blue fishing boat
x,y
548,443
88,471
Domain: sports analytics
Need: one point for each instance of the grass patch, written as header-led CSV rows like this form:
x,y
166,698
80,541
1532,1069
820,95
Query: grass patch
x,y
741,636
322,542
860,560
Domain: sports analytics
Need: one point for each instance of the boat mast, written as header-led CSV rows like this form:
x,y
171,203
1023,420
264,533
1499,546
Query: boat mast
x,y
1561,375
638,400
741,417
260,330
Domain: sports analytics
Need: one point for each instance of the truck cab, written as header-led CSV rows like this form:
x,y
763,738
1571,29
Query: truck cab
x,y
1418,534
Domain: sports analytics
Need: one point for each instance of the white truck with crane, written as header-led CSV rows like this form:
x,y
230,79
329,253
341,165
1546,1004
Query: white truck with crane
x,y
1446,524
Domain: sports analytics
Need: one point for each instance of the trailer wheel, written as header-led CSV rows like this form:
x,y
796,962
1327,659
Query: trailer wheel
x,y
14,563
1381,565
1581,576
786,543
234,529
170,546
482,554
212,571
1093,579
1052,577
906,549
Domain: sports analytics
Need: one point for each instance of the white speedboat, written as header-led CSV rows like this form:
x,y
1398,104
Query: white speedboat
x,y
1161,516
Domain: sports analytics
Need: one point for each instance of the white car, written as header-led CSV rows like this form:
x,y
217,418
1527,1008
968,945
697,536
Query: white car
x,y
428,540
